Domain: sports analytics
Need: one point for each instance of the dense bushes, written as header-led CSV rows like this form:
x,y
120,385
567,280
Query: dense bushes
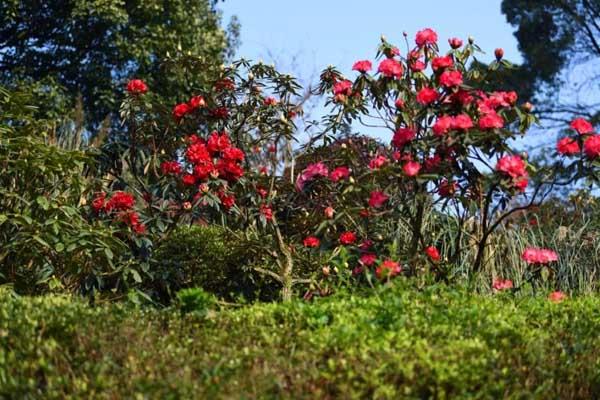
x,y
400,342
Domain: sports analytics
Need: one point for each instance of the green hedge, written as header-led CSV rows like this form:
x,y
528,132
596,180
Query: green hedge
x,y
397,343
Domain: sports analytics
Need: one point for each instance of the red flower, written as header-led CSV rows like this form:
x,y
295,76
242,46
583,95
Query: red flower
x,y
462,122
362,66
557,296
377,199
120,201
567,146
197,102
447,189
433,253
443,125
513,166
137,86
266,212
411,168
227,201
390,68
388,268
270,101
311,241
378,162
339,173
219,112
232,154
217,143
403,136
451,78
427,96
347,238
426,37
368,259
132,219
188,179
455,43
491,120
98,202
532,255
170,168
399,103
591,146
198,153
442,62
417,65
224,84
582,126
309,173
342,88
502,284
499,53
180,110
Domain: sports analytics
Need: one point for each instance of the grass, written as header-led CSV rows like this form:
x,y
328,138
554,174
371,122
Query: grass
x,y
397,342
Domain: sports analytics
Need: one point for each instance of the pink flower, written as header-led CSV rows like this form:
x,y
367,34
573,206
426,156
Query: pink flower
x,y
455,43
582,126
591,146
339,173
270,101
443,125
502,284
309,173
411,168
426,37
347,238
417,65
462,122
311,241
378,162
427,96
197,102
368,259
451,78
433,253
491,120
567,146
442,62
557,296
402,136
513,166
388,268
390,68
377,199
362,66
137,86
532,255
342,88
329,211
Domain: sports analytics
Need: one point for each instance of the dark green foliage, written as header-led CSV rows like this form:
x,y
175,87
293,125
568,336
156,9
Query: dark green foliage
x,y
398,343
92,47
195,301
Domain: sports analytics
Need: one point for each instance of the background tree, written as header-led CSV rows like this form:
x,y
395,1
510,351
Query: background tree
x,y
560,44
90,47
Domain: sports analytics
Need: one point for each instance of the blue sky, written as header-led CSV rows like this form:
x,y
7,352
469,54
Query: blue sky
x,y
339,32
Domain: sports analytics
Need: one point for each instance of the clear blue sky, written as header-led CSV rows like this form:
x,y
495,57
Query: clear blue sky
x,y
339,32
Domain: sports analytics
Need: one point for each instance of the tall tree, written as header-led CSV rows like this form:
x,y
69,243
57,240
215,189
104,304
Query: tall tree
x,y
91,47
560,44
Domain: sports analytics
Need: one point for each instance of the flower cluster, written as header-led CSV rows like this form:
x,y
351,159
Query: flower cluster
x,y
120,207
585,139
193,104
537,256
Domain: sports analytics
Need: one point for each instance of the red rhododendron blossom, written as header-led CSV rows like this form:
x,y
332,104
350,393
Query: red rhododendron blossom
x,y
403,136
309,173
557,296
132,219
339,173
443,125
230,170
582,126
591,146
99,202
521,184
368,259
270,101
502,284
432,163
266,212
426,37
567,146
390,68
180,110
491,120
170,168
399,103
462,122
378,162
417,66
204,170
388,269
411,168
343,87
311,242
219,112
362,66
198,153
377,199
427,96
513,166
499,53
137,86
463,97
433,253
347,238
197,102
455,43
227,201
442,62
533,255
188,179
224,84
218,142
120,201
451,78
447,189
232,154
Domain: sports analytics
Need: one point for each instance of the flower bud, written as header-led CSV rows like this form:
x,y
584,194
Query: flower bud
x,y
351,180
187,205
527,107
329,211
499,53
326,270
